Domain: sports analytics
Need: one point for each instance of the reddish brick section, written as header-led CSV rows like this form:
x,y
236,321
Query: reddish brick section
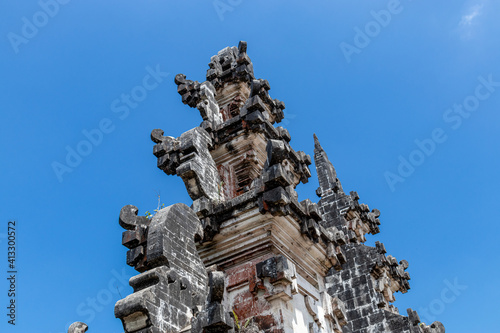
x,y
245,272
268,324
248,304
240,274
256,284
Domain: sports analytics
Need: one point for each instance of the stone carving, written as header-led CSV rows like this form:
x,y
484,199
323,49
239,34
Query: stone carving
x,y
188,156
215,316
173,282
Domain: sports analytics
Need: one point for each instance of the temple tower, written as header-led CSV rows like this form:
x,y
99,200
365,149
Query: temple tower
x,y
247,255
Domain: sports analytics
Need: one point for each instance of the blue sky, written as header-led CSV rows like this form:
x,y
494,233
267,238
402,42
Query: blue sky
x,y
403,95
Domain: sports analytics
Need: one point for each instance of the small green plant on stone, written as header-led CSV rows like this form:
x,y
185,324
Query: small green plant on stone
x,y
148,213
236,321
240,328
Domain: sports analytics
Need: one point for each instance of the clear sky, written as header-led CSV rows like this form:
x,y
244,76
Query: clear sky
x,y
403,95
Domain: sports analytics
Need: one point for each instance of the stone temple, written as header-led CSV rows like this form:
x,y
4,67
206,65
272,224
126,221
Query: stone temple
x,y
247,256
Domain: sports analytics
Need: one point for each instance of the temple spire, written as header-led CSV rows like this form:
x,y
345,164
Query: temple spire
x,y
327,175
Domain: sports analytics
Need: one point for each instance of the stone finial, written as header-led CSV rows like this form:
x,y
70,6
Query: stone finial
x,y
129,219
78,327
327,175
230,64
437,327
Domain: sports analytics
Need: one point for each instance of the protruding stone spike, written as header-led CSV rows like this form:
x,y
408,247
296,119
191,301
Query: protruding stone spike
x,y
242,47
327,175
